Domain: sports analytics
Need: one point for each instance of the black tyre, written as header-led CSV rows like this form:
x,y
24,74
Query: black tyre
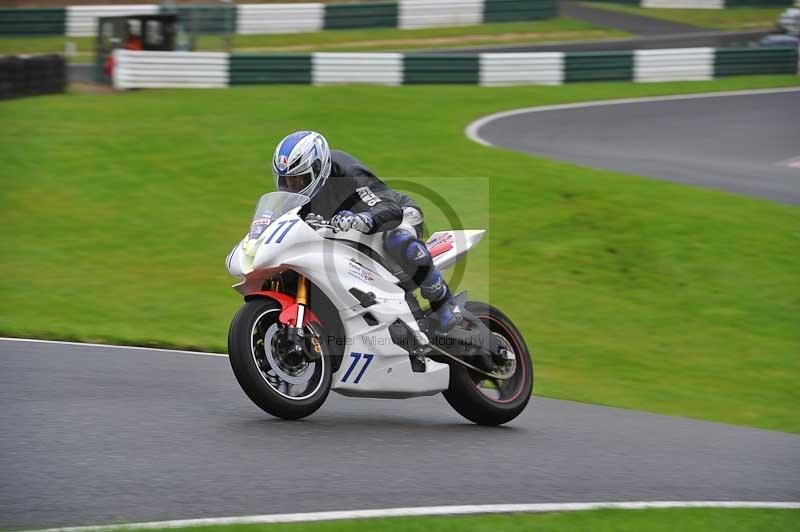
x,y
288,394
488,401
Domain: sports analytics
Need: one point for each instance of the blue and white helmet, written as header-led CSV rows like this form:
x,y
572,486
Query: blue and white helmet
x,y
303,154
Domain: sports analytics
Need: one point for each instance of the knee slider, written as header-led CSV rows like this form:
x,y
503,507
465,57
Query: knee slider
x,y
417,254
419,261
397,242
410,253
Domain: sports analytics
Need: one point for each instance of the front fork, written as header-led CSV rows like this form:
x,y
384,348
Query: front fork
x,y
302,301
296,335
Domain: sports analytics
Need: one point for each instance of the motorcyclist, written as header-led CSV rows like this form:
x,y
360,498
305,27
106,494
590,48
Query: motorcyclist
x,y
345,191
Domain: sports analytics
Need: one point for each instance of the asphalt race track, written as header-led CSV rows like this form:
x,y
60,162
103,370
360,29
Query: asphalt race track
x,y
94,435
745,143
636,24
701,38
648,33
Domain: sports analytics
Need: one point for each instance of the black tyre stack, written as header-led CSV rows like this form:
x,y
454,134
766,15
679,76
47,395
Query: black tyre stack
x,y
32,75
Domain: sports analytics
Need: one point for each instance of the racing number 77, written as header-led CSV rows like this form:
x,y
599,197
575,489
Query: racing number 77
x,y
356,357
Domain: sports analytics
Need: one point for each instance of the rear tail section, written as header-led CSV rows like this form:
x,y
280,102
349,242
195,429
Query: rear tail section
x,y
447,247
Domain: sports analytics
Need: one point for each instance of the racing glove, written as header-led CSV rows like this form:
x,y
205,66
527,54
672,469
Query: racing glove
x,y
346,220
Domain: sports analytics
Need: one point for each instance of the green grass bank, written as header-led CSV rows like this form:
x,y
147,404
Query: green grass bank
x,y
368,40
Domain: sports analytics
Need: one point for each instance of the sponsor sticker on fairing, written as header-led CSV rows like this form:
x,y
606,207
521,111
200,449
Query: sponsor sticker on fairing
x,y
258,227
358,271
445,237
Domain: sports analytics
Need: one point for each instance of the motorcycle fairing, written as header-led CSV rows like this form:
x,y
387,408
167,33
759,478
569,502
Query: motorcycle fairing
x,y
447,247
373,365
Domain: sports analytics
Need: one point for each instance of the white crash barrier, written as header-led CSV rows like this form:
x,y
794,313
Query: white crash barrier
x,y
254,19
376,68
428,13
545,68
82,20
676,64
684,4
133,70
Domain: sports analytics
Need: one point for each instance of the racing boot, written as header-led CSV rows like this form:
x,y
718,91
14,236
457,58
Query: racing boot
x,y
446,313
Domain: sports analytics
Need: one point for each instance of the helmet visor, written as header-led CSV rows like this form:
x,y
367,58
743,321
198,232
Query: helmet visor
x,y
294,183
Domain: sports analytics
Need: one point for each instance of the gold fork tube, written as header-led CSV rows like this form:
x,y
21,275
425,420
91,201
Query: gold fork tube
x,y
302,290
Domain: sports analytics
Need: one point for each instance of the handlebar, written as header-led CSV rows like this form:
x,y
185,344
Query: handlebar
x,y
319,223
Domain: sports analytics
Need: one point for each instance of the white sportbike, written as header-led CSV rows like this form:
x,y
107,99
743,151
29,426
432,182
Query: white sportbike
x,y
330,310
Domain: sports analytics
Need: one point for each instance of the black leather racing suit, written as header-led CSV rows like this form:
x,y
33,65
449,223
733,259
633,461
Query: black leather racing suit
x,y
353,187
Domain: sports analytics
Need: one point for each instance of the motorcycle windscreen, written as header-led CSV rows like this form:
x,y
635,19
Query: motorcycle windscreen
x,y
272,206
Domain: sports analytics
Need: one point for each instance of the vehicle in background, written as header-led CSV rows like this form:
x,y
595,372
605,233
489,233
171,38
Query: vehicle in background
x,y
787,30
163,32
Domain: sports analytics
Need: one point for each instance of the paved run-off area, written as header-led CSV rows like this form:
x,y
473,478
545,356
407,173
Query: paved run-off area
x,y
95,434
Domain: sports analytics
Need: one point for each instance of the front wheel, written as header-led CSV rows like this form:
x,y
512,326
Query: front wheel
x,y
289,388
485,400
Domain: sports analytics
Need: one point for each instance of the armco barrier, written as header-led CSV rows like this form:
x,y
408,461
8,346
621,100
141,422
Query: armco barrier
x,y
517,10
739,61
170,69
207,20
184,69
598,66
686,64
33,75
377,68
82,20
427,13
248,69
702,4
446,68
32,21
684,4
545,68
367,15
249,19
256,19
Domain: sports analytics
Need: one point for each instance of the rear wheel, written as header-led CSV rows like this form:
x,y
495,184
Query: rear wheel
x,y
289,387
486,400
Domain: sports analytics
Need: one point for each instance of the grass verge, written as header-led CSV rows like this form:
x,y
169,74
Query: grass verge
x,y
668,520
557,29
552,30
117,210
730,18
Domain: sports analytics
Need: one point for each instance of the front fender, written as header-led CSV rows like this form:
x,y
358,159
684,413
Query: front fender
x,y
288,305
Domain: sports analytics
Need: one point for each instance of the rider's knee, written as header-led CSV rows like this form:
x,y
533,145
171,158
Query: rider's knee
x,y
418,255
410,253
396,242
